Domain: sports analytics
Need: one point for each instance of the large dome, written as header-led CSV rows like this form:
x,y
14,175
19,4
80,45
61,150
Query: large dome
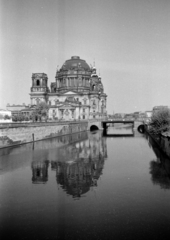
x,y
75,62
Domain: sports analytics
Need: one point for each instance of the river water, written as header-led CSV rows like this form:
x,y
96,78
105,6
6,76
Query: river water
x,y
85,186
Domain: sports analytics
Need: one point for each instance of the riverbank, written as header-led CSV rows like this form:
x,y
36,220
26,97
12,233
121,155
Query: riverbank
x,y
163,140
17,134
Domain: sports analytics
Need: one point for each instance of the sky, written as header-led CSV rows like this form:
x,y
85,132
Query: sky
x,y
129,41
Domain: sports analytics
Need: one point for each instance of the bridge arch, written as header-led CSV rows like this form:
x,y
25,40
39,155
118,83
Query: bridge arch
x,y
141,128
93,127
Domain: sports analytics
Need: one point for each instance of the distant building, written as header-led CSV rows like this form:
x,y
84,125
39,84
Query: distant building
x,y
110,116
4,112
158,108
118,115
129,116
18,109
148,114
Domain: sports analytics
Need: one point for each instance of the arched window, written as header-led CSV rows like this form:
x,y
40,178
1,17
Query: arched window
x,y
93,87
38,82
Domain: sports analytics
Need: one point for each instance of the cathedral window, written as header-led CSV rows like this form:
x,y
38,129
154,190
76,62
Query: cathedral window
x,y
38,82
49,103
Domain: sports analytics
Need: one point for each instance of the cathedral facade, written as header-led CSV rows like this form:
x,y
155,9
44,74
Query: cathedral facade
x,y
76,94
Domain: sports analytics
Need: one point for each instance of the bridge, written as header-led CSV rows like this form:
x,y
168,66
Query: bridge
x,y
94,124
105,123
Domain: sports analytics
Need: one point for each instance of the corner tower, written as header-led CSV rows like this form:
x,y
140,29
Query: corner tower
x,y
39,89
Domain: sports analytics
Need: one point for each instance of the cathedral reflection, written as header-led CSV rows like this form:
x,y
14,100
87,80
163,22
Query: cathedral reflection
x,y
40,171
81,165
77,177
67,139
78,165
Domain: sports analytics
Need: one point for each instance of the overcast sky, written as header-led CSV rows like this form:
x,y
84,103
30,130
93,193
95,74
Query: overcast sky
x,y
128,39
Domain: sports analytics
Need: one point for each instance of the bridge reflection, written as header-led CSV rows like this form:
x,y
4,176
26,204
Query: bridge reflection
x,y
118,130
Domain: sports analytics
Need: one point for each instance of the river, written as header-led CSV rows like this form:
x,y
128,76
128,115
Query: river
x,y
85,186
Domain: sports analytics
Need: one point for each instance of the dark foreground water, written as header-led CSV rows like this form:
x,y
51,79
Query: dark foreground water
x,y
85,186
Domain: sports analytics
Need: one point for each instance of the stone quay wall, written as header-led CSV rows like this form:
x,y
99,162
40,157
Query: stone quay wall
x,y
162,141
15,134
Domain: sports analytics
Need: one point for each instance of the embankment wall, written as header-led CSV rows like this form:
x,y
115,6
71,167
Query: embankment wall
x,y
162,141
15,134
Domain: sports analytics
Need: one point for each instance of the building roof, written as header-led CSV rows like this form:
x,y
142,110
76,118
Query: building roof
x,y
39,75
75,62
4,110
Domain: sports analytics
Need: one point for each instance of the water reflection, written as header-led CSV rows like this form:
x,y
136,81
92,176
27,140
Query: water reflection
x,y
38,189
78,165
160,167
76,178
118,129
40,171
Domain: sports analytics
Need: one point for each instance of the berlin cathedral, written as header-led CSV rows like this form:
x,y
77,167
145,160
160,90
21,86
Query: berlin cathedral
x,y
76,94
